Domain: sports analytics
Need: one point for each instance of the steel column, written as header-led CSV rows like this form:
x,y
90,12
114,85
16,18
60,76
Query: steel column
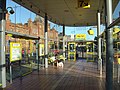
x,y
46,42
2,42
109,46
99,42
64,40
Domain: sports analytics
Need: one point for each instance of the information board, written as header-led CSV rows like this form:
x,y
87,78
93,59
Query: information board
x,y
15,51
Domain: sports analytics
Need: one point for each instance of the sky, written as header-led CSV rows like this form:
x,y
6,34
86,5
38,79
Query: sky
x,y
23,15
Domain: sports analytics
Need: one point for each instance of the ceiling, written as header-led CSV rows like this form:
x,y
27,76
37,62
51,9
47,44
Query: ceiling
x,y
67,12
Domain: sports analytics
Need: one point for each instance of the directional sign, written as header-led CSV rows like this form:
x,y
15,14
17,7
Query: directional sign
x,y
80,36
83,3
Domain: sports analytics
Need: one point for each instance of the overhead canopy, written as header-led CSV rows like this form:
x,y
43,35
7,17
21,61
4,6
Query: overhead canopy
x,y
68,12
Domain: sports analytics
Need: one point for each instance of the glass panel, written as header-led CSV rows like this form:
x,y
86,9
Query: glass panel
x,y
71,46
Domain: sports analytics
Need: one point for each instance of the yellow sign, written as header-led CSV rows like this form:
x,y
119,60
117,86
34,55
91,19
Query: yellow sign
x,y
41,49
118,60
9,35
86,7
81,36
90,32
83,3
15,51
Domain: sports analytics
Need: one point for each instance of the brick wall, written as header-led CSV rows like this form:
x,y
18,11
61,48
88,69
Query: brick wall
x,y
34,28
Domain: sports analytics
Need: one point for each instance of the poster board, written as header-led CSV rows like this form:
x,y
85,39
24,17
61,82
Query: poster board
x,y
15,51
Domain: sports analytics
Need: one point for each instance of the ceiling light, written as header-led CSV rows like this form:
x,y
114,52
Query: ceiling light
x,y
11,11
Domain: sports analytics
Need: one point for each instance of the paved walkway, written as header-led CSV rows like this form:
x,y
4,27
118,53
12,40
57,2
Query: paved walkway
x,y
79,75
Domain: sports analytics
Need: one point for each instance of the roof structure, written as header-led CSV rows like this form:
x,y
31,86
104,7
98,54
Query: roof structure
x,y
68,12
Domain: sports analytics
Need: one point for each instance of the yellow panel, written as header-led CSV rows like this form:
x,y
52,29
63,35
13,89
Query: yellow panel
x,y
80,36
15,51
9,35
114,36
118,60
41,49
90,32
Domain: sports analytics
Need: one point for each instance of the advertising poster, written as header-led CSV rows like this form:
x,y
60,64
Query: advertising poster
x,y
15,51
41,49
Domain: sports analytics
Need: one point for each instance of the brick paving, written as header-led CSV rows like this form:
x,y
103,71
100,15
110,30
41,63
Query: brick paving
x,y
79,75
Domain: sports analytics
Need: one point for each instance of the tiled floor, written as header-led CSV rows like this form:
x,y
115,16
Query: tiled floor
x,y
79,75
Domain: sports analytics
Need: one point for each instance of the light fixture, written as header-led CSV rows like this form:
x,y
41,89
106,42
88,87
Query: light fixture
x,y
90,32
11,11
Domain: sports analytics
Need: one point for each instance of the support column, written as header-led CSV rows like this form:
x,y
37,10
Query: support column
x,y
64,40
46,42
109,46
99,43
37,52
2,43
